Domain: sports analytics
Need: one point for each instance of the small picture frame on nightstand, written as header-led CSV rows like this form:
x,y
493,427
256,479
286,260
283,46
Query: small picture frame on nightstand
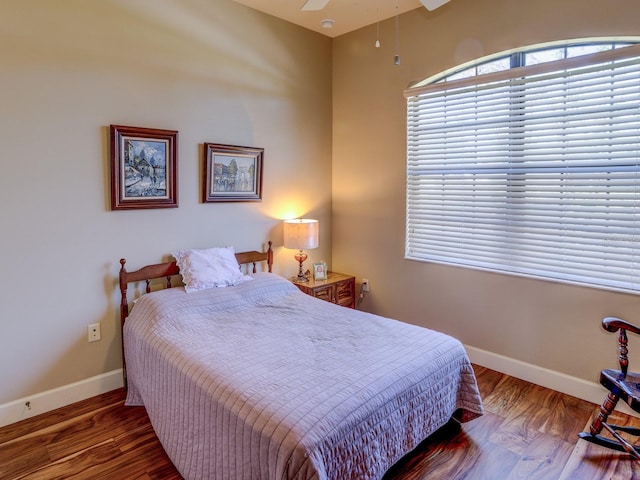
x,y
320,271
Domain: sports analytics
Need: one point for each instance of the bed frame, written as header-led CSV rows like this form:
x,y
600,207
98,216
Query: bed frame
x,y
167,270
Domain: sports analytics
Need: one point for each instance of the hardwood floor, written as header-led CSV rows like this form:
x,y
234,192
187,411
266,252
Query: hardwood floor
x,y
527,432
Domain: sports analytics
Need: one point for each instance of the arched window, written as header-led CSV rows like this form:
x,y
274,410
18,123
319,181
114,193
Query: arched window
x,y
529,163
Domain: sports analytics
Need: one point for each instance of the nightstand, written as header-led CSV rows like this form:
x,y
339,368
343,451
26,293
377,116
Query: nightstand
x,y
337,288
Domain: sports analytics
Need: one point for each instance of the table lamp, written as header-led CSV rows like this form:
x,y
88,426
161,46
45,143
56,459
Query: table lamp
x,y
301,234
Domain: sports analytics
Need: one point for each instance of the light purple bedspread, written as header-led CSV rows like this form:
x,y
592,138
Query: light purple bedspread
x,y
260,381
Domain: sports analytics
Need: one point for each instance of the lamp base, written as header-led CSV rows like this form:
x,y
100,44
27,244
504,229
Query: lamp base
x,y
301,278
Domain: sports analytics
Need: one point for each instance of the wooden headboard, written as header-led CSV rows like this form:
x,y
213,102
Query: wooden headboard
x,y
167,270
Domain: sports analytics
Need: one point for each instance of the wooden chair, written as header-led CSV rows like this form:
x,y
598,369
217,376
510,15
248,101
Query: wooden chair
x,y
621,384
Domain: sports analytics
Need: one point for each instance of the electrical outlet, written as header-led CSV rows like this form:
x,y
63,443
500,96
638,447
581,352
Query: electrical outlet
x,y
365,285
93,332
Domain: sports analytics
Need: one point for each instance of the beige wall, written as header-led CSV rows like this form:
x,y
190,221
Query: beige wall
x,y
546,324
213,70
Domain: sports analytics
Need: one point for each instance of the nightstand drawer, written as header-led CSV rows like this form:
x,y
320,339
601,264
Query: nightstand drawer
x,y
324,293
346,293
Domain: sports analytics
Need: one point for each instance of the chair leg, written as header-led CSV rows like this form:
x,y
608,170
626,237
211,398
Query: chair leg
x,y
606,409
629,448
600,422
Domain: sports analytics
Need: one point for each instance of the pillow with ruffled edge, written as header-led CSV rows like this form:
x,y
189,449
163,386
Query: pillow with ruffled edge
x,y
209,268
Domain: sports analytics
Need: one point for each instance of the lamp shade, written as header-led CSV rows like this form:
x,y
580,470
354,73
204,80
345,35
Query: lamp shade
x,y
301,233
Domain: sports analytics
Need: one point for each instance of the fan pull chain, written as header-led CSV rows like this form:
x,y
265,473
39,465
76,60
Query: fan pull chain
x,y
396,57
378,24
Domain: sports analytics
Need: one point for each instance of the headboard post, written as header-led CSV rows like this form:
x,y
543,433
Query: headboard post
x,y
124,313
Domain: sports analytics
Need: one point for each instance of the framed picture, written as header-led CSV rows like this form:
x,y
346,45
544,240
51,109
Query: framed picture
x,y
232,174
143,168
320,271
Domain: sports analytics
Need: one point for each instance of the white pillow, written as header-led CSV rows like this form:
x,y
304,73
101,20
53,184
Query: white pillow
x,y
208,268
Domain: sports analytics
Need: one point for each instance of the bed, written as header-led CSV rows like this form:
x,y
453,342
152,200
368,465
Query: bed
x,y
259,381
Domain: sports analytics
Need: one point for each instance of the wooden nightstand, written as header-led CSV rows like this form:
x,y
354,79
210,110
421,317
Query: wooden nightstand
x,y
337,288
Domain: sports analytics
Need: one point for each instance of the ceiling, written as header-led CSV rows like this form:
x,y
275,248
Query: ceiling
x,y
347,15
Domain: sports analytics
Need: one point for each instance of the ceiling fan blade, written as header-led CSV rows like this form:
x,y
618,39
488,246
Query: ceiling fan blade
x,y
432,4
311,5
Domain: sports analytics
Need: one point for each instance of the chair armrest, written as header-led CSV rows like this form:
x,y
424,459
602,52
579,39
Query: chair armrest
x,y
613,324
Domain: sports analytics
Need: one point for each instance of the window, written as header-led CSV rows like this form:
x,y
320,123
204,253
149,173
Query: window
x,y
530,166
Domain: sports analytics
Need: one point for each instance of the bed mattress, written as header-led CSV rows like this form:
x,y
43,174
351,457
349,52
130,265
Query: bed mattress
x,y
260,381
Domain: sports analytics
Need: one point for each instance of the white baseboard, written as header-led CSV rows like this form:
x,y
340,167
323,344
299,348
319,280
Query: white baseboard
x,y
577,387
59,397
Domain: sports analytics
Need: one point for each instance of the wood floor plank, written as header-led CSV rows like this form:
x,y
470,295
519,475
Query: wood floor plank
x,y
544,459
164,472
104,425
527,432
490,380
16,461
35,447
568,416
37,423
143,444
144,476
138,438
509,397
78,466
456,449
130,464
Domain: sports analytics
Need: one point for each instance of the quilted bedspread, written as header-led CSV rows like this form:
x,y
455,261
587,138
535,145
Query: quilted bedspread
x,y
260,381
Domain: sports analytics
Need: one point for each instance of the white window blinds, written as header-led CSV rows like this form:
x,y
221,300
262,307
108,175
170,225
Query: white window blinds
x,y
533,171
